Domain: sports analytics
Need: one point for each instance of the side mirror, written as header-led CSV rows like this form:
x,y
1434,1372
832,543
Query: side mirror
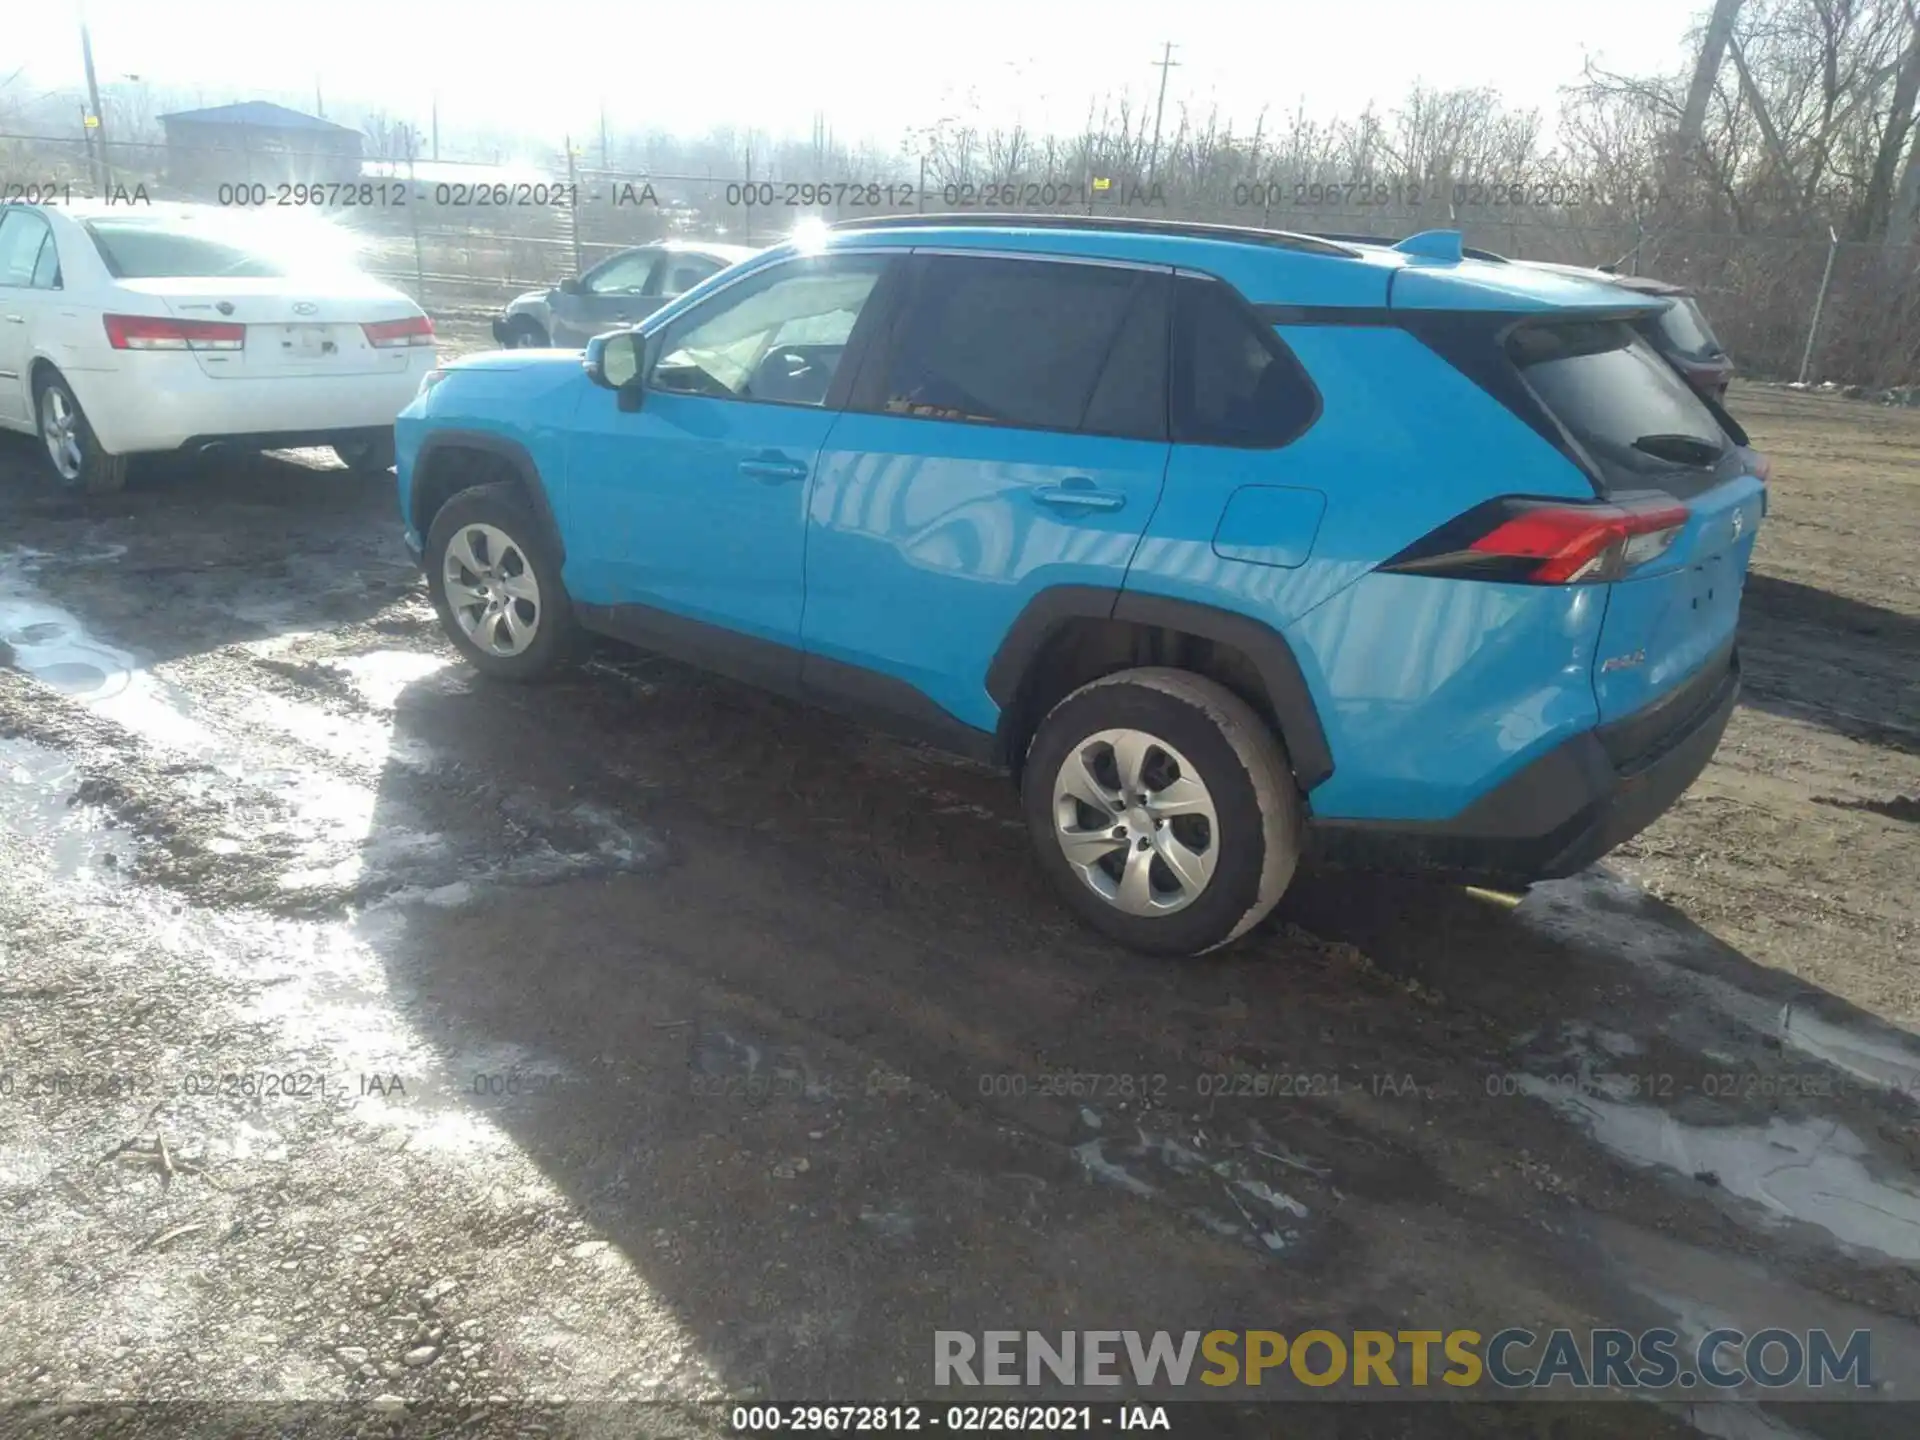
x,y
616,362
572,286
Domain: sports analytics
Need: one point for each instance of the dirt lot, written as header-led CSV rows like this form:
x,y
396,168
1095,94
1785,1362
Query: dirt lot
x,y
371,1033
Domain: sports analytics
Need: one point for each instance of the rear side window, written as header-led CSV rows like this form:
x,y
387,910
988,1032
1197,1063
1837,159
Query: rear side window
x,y
46,271
1234,383
1039,344
1619,398
134,251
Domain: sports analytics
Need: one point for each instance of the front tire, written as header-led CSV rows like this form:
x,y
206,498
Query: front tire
x,y
1163,810
495,581
79,462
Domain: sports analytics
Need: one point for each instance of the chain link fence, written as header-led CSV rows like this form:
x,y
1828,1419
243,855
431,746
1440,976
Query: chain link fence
x,y
464,237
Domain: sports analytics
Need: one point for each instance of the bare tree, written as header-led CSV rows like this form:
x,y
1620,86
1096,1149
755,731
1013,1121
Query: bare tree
x,y
1896,137
1706,70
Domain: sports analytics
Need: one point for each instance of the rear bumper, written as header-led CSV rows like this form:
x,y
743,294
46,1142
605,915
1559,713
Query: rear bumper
x,y
165,401
1569,807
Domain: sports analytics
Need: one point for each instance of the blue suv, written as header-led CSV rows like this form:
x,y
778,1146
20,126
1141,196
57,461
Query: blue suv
x,y
1229,544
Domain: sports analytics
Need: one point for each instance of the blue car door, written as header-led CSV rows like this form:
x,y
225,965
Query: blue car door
x,y
693,506
1009,436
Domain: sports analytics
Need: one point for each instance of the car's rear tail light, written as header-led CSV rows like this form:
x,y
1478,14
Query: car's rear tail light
x,y
396,334
1546,542
160,332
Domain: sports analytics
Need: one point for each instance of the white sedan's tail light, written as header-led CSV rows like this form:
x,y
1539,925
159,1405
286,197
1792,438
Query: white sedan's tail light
x,y
159,332
394,334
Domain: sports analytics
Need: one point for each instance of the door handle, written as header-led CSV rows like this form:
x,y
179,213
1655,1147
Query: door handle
x,y
773,470
16,319
1078,494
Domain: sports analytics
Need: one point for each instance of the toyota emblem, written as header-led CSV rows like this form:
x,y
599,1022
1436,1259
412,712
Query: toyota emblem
x,y
305,307
225,307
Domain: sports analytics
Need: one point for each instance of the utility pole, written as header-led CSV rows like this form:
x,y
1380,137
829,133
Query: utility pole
x,y
93,100
318,108
436,126
603,137
1165,63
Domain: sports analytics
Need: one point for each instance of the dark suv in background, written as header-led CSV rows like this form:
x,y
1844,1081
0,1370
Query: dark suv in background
x,y
1679,331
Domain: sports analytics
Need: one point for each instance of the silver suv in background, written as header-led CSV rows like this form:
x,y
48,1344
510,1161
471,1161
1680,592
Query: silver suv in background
x,y
620,290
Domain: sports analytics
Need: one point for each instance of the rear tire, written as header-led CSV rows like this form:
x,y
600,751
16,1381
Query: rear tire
x,y
1163,810
525,333
495,581
73,451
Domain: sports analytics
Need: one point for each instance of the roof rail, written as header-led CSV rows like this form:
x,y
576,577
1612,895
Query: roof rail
x,y
1187,229
1390,241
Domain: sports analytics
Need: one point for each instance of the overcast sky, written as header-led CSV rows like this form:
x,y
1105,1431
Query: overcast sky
x,y
873,68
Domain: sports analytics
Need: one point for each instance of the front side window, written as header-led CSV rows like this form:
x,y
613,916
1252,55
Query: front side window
x,y
1033,343
622,275
779,335
23,235
1234,383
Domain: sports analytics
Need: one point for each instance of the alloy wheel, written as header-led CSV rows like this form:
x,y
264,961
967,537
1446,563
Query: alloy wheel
x,y
1136,822
60,429
491,589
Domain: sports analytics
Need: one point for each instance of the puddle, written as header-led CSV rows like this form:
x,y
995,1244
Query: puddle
x,y
53,647
1811,1171
1696,1291
1880,1056
37,788
1600,912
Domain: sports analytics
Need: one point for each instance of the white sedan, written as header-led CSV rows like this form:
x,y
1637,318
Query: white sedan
x,y
132,329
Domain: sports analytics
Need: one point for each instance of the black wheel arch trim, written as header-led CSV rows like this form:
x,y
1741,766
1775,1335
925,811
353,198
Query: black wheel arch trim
x,y
503,448
1266,647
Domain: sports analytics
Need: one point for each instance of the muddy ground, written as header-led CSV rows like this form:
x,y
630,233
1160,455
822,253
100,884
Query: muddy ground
x,y
373,1034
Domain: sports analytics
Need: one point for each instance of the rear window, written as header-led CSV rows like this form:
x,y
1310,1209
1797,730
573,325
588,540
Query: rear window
x,y
134,251
1621,399
1687,333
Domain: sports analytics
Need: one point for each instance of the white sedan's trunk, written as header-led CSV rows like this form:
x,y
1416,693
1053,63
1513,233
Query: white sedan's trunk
x,y
294,328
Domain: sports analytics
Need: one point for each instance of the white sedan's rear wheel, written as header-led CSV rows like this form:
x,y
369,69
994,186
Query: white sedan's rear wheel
x,y
72,449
